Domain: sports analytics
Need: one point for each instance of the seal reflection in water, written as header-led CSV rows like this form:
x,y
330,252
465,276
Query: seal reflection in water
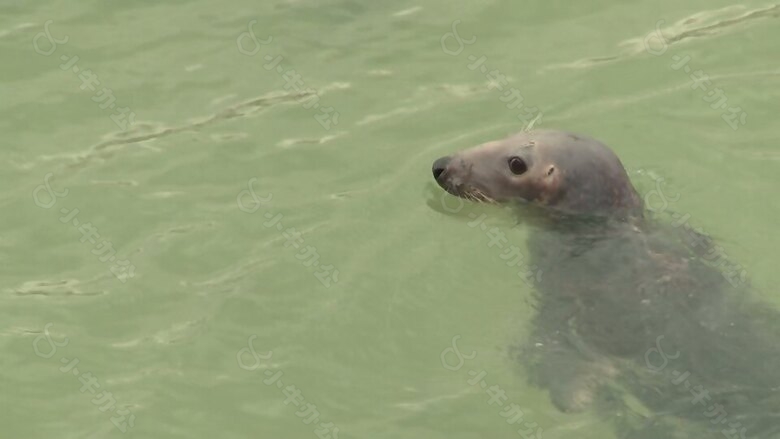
x,y
627,310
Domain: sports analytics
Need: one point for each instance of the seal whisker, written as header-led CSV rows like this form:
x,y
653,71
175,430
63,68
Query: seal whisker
x,y
482,197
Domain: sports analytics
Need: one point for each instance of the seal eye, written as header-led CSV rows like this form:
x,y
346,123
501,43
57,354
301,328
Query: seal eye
x,y
517,165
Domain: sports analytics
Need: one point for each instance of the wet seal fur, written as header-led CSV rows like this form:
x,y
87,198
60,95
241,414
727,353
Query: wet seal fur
x,y
569,173
627,308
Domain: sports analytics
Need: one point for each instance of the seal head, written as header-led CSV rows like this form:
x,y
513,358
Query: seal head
x,y
565,172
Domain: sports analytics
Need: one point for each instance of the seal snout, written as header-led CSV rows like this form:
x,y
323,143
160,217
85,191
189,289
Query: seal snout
x,y
439,166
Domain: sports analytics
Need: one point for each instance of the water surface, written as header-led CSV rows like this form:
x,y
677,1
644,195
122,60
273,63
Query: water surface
x,y
360,334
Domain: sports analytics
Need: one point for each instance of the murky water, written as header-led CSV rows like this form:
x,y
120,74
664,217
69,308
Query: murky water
x,y
219,219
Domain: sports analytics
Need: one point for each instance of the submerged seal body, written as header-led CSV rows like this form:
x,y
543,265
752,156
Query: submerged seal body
x,y
627,309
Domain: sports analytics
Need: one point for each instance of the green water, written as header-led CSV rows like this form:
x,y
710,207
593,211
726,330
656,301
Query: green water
x,y
361,335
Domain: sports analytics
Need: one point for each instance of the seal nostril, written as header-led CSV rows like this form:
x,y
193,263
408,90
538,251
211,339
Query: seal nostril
x,y
439,166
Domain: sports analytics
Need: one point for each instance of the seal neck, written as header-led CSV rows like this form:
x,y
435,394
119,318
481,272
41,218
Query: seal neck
x,y
598,222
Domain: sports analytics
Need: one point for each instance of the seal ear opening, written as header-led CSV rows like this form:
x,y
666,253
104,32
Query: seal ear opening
x,y
550,170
